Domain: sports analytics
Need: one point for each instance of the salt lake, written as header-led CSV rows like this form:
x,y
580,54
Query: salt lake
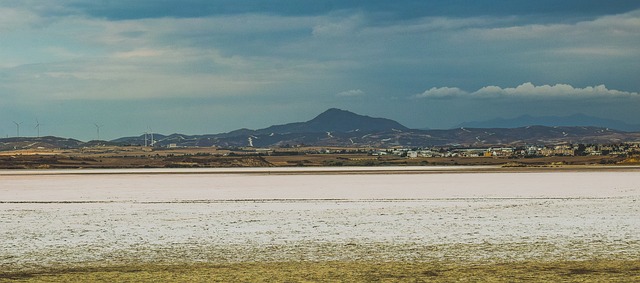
x,y
50,218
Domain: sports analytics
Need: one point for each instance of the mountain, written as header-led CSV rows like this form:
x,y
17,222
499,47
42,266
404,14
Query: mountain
x,y
573,120
337,120
328,124
336,127
40,142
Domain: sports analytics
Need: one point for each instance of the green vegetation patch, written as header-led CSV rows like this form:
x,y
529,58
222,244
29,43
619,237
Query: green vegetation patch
x,y
556,271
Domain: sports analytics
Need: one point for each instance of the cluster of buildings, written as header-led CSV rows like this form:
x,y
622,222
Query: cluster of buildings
x,y
623,149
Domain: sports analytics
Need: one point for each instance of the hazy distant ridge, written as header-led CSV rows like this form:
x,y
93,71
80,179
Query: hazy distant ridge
x,y
551,121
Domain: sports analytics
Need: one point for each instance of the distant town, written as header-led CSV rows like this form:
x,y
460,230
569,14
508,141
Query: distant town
x,y
623,149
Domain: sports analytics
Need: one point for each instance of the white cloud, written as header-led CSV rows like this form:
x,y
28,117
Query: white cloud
x,y
595,51
430,25
351,93
143,52
527,89
249,53
98,59
442,92
11,19
617,26
338,27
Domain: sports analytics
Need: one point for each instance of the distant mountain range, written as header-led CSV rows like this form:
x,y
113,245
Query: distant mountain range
x,y
551,121
336,127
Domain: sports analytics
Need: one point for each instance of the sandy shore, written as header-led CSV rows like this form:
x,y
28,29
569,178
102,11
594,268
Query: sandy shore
x,y
71,219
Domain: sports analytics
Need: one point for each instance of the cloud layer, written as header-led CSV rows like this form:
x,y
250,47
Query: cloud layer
x,y
351,93
215,65
527,90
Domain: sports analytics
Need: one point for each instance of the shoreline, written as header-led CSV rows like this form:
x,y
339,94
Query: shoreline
x,y
323,170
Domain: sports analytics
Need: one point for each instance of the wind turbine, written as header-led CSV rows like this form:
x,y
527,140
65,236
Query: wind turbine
x,y
151,131
145,138
37,126
17,128
98,129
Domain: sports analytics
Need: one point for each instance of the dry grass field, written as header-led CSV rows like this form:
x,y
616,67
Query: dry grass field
x,y
528,271
141,157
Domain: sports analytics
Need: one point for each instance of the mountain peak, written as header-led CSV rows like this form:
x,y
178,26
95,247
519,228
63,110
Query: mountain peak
x,y
336,114
335,110
338,120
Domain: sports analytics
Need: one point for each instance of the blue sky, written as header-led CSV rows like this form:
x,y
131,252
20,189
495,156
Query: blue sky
x,y
210,66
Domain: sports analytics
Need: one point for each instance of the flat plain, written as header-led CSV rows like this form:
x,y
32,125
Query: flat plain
x,y
354,224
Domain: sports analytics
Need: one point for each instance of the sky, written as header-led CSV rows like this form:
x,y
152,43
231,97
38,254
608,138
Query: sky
x,y
213,66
